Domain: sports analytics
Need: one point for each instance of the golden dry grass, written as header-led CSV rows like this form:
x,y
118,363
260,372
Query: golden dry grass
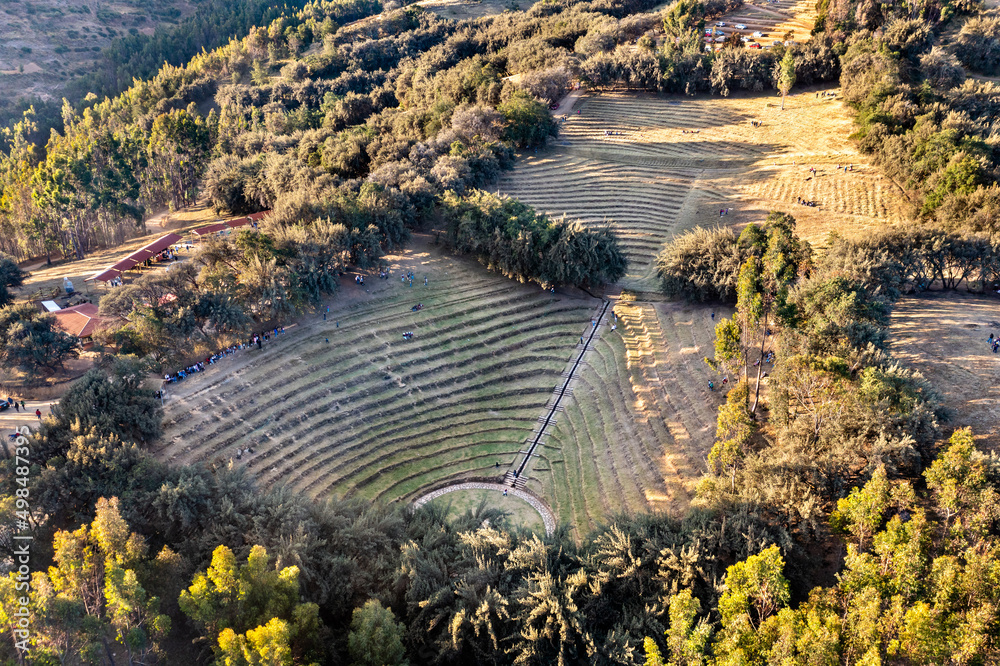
x,y
675,161
944,336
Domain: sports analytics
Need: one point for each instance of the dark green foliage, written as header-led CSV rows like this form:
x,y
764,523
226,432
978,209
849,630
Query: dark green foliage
x,y
528,122
509,237
910,128
10,276
114,401
375,637
702,265
30,342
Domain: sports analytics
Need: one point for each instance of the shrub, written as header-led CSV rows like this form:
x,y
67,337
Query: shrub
x,y
509,237
702,265
979,44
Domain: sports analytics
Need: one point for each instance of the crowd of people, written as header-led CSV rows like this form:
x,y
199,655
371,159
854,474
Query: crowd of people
x,y
257,339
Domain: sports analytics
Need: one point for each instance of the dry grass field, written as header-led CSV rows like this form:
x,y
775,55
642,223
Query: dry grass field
x,y
461,10
673,162
371,414
944,336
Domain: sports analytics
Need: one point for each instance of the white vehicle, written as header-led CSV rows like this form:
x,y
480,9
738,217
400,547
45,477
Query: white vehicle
x,y
720,24
758,34
720,39
789,42
744,39
777,42
740,26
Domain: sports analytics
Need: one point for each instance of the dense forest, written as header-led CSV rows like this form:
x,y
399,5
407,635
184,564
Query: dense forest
x,y
833,526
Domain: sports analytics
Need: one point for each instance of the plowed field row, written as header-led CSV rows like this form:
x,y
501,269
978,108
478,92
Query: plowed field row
x,y
641,421
640,202
372,414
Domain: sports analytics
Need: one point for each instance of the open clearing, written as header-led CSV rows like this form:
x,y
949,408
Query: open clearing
x,y
675,161
55,41
521,514
943,335
461,10
371,414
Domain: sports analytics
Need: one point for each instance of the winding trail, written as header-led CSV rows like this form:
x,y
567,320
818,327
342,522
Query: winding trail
x,y
548,518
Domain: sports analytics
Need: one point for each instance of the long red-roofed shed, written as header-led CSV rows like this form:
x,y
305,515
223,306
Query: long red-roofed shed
x,y
136,258
157,246
211,229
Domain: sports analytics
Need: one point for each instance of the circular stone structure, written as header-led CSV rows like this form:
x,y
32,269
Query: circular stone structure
x,y
548,518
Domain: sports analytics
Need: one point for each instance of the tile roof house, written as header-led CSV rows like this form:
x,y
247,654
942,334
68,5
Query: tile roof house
x,y
80,320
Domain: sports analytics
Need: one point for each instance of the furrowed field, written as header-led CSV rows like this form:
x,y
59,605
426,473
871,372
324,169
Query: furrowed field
x,y
371,414
672,163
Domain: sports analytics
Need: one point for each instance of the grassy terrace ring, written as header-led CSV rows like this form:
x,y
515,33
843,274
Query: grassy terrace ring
x,y
548,518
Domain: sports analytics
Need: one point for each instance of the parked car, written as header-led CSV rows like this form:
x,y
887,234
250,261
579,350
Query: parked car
x,y
755,46
744,39
777,42
758,34
720,24
720,39
740,26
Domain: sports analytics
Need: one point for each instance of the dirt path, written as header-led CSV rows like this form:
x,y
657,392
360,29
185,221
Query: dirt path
x,y
567,102
10,419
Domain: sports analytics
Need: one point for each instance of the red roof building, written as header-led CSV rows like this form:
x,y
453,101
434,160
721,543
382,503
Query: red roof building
x,y
211,229
80,320
136,258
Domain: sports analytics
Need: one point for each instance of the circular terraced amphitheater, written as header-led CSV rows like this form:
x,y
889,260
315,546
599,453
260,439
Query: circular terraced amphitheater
x,y
371,414
356,410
